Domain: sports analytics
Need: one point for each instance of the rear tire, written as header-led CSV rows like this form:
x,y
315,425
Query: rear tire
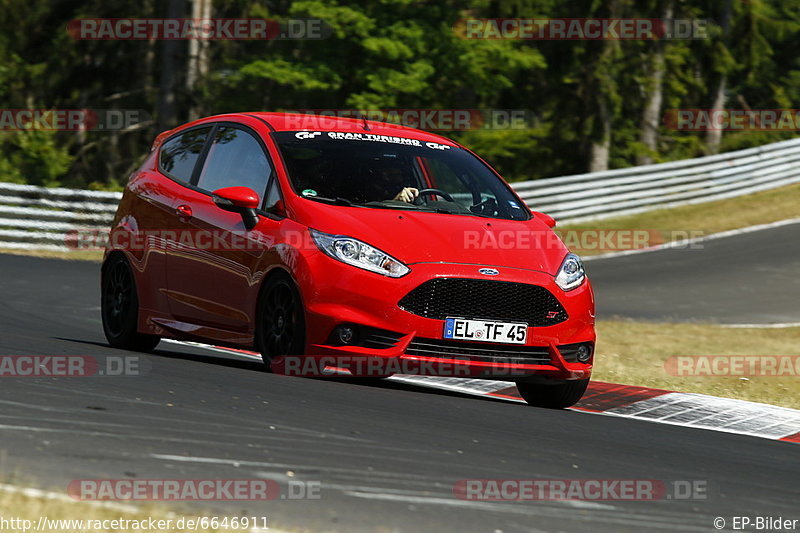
x,y
119,308
280,326
558,395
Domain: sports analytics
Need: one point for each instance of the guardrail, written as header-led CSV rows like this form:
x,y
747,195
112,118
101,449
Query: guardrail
x,y
689,181
42,218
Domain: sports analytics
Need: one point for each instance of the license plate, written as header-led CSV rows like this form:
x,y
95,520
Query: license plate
x,y
485,331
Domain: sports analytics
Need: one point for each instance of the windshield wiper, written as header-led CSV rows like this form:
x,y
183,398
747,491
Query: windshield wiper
x,y
334,201
399,205
423,208
468,214
403,206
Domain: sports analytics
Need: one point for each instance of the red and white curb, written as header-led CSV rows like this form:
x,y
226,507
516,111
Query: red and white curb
x,y
641,403
653,405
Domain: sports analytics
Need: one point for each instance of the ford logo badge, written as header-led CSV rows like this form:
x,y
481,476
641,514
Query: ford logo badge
x,y
489,271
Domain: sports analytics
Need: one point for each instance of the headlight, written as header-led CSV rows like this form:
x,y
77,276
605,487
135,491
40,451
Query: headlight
x,y
570,274
359,254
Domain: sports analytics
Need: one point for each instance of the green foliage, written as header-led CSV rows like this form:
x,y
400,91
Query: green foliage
x,y
33,157
282,72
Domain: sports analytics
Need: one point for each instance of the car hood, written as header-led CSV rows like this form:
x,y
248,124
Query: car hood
x,y
419,237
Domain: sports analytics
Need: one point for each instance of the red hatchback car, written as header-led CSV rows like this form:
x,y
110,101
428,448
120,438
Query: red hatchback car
x,y
350,244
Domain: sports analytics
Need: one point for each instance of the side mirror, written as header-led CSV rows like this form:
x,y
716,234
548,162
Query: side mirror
x,y
242,200
547,219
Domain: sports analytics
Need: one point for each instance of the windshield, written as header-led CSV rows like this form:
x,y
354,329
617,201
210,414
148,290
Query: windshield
x,y
388,172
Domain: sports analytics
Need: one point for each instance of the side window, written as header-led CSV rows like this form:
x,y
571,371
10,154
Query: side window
x,y
235,159
179,155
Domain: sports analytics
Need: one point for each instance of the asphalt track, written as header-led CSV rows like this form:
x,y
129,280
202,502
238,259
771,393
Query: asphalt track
x,y
387,455
750,278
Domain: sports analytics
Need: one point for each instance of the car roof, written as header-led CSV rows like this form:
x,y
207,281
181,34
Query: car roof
x,y
324,122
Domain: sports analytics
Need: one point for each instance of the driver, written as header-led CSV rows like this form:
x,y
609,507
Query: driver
x,y
388,178
394,175
407,195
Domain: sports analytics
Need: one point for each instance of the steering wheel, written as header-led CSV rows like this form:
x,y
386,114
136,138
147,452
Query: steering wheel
x,y
433,192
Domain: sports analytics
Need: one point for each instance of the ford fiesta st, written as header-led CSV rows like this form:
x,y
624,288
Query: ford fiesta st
x,y
347,244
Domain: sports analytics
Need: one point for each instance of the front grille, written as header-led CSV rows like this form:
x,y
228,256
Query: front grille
x,y
499,300
470,351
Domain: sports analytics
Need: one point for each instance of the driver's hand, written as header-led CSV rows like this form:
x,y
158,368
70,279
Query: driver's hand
x,y
407,195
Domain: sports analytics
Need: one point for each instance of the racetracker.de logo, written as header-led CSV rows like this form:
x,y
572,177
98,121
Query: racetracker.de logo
x,y
72,119
188,239
213,29
580,240
581,29
733,365
72,366
497,490
191,490
424,119
732,119
321,365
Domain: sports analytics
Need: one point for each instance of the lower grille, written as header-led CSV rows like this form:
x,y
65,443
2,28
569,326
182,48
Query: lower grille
x,y
470,351
379,338
499,300
367,337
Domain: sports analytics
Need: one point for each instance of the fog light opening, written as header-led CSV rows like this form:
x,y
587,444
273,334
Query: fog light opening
x,y
346,334
584,353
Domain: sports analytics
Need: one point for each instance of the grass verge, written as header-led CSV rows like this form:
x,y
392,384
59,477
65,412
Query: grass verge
x,y
706,218
634,353
76,255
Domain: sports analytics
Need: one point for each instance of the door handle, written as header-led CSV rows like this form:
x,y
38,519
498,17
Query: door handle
x,y
183,211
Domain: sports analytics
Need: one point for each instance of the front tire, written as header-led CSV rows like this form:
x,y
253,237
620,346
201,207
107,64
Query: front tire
x,y
557,395
280,327
119,308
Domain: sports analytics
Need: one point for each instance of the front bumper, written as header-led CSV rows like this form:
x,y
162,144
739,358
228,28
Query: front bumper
x,y
366,300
